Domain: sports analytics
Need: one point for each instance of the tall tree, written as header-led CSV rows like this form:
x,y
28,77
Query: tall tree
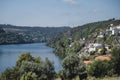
x,y
116,59
24,57
73,66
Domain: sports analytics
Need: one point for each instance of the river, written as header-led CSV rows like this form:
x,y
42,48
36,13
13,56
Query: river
x,y
10,53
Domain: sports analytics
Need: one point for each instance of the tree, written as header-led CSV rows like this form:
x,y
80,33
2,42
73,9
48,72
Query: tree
x,y
77,46
10,74
37,59
29,76
42,71
116,59
30,68
1,31
100,68
49,68
24,57
61,74
73,66
103,51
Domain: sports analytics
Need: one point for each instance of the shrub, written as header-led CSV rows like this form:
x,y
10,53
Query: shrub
x,y
101,68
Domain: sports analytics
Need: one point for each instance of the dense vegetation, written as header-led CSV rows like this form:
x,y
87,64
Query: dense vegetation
x,y
30,68
33,68
73,66
72,42
10,34
69,46
88,31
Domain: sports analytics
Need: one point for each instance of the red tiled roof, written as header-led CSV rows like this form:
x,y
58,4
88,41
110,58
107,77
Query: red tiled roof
x,y
87,62
105,57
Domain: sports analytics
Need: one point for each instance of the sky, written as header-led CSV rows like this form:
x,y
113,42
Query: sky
x,y
57,12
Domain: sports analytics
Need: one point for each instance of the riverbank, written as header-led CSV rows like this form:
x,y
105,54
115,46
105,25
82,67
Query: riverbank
x,y
23,43
10,53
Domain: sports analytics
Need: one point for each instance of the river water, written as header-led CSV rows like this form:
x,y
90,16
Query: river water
x,y
10,53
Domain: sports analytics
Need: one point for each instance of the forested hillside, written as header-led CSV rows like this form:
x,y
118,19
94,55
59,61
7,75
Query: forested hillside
x,y
10,34
89,32
90,50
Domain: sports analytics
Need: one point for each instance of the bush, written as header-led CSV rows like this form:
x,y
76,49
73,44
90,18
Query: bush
x,y
116,59
10,74
73,66
101,68
30,68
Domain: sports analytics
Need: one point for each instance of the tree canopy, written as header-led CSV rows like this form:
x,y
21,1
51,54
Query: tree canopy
x,y
30,68
73,66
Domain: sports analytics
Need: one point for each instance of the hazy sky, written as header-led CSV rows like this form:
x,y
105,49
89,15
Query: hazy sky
x,y
57,12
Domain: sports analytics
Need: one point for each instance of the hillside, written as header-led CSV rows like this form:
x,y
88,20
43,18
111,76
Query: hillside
x,y
88,32
10,34
88,52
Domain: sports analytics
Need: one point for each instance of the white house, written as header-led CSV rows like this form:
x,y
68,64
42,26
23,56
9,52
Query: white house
x,y
101,35
113,30
93,47
108,32
98,45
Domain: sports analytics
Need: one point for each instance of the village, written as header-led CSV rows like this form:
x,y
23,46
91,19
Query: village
x,y
99,50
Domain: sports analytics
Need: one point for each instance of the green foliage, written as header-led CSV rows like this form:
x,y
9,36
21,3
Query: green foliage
x,y
18,34
110,40
73,66
105,78
29,76
42,70
92,52
75,48
88,31
100,40
60,50
10,74
101,68
61,74
2,31
30,68
9,38
24,57
103,51
116,59
37,59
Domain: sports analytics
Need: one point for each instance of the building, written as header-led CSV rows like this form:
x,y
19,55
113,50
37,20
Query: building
x,y
101,35
98,45
92,47
108,32
113,30
87,62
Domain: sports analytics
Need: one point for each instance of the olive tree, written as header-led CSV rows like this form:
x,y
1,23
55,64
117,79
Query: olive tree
x,y
73,66
24,57
43,70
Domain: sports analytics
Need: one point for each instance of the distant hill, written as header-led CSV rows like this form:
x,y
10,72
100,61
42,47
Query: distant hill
x,y
10,34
